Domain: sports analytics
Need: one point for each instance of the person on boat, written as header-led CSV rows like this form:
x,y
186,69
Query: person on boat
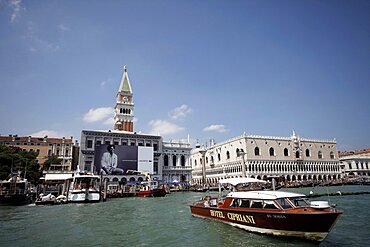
x,y
109,162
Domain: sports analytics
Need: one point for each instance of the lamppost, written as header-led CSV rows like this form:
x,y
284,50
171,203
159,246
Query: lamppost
x,y
242,153
203,152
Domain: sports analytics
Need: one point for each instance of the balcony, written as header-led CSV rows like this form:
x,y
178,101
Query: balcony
x,y
177,168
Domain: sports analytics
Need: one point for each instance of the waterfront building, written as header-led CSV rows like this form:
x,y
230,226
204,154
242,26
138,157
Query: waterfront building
x,y
355,163
292,159
91,139
62,148
176,162
170,160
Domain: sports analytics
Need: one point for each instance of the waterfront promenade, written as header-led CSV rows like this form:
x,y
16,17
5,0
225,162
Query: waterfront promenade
x,y
164,221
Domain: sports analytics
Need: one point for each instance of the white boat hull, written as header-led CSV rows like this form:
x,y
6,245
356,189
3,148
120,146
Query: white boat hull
x,y
80,196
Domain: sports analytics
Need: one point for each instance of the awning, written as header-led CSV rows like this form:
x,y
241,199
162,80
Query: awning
x,y
57,176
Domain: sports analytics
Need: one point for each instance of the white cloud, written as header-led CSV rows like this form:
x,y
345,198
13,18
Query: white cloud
x,y
63,28
103,114
50,134
180,112
163,127
16,6
220,128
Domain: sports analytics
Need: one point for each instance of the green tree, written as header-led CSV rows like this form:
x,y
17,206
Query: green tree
x,y
14,159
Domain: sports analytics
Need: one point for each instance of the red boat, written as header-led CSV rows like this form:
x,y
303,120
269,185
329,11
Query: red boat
x,y
151,189
269,212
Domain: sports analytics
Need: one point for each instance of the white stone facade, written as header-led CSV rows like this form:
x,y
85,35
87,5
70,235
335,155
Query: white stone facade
x,y
176,162
355,164
291,158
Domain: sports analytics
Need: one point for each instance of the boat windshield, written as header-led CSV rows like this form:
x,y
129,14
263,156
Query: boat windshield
x,y
87,183
299,202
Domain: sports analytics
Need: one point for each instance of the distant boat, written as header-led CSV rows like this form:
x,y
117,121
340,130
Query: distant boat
x,y
269,212
151,189
16,191
83,188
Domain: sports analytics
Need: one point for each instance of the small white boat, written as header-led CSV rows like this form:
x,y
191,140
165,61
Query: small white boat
x,y
84,187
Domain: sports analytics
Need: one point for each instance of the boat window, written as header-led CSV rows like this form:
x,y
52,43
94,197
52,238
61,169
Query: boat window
x,y
269,204
244,203
284,203
234,203
256,204
299,202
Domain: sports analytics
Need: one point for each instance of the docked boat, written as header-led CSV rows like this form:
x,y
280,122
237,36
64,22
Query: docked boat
x,y
16,191
84,187
269,212
50,200
151,189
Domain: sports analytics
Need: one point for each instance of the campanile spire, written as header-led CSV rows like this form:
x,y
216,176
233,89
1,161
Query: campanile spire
x,y
124,109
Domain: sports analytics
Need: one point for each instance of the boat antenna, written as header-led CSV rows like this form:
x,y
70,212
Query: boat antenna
x,y
327,191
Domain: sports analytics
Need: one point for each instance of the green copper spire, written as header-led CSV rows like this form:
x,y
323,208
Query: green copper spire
x,y
125,85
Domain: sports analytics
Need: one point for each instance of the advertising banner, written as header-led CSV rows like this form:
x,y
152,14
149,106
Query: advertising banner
x,y
115,159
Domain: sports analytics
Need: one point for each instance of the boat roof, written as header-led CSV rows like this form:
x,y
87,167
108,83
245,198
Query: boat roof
x,y
236,181
263,194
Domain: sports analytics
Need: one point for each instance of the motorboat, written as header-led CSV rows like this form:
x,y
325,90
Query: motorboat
x,y
268,212
16,191
84,187
50,199
151,189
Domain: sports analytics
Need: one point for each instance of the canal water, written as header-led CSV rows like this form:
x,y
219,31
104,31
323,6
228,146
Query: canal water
x,y
164,221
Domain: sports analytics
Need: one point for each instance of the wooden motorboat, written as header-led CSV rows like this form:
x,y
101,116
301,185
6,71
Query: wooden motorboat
x,y
151,189
269,212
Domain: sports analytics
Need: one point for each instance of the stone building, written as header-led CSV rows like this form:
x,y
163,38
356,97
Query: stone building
x,y
170,160
289,158
176,162
355,163
45,147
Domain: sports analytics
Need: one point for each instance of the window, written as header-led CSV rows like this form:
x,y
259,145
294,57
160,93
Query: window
x,y
299,202
308,153
286,152
174,160
272,152
107,142
195,162
182,160
257,151
332,156
98,142
256,204
227,155
89,143
269,204
283,203
319,155
297,155
219,157
155,147
165,160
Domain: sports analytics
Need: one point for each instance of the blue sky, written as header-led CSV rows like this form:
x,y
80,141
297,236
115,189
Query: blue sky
x,y
208,69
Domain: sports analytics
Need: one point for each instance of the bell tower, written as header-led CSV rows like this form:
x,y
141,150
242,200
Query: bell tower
x,y
124,109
